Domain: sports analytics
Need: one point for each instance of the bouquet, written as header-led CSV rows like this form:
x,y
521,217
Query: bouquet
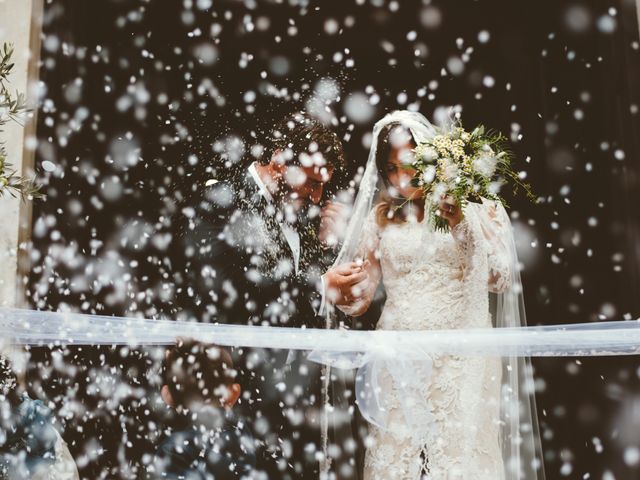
x,y
465,166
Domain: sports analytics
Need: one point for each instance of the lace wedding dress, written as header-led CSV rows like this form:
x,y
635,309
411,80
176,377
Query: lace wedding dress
x,y
436,280
467,416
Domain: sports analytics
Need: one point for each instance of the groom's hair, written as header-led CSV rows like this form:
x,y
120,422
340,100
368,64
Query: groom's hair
x,y
297,131
196,372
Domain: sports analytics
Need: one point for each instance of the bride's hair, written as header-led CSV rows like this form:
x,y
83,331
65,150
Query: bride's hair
x,y
388,209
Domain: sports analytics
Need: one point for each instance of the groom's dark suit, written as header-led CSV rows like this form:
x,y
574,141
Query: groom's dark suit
x,y
239,268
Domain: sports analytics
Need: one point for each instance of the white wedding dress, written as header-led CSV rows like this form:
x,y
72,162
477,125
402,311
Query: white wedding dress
x,y
436,280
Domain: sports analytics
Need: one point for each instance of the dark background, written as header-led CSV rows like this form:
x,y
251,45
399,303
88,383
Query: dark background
x,y
142,100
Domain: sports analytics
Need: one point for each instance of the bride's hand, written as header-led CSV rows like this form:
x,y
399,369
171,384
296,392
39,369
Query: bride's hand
x,y
450,211
346,283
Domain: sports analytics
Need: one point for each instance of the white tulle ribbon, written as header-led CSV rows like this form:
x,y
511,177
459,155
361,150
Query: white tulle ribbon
x,y
373,353
29,327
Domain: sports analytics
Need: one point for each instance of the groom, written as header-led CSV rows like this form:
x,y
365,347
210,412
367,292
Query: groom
x,y
255,256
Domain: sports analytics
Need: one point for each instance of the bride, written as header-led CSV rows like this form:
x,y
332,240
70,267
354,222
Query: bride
x,y
447,417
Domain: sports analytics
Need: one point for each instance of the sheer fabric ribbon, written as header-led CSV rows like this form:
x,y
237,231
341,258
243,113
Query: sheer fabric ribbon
x,y
30,327
370,352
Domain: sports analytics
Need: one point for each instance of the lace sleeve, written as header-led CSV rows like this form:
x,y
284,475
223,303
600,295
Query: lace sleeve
x,y
488,230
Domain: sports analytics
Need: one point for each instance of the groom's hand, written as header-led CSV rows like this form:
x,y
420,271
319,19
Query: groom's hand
x,y
333,223
346,283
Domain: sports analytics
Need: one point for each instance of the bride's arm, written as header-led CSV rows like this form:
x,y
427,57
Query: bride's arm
x,y
360,296
491,231
496,237
363,294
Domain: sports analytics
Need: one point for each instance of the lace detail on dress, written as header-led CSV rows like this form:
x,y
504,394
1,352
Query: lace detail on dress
x,y
437,280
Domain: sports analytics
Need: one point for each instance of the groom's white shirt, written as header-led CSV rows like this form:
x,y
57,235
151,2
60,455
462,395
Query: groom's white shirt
x,y
290,234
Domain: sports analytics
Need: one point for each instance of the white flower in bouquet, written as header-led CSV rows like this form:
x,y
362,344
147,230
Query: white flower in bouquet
x,y
448,168
494,187
439,190
485,164
426,153
429,174
406,156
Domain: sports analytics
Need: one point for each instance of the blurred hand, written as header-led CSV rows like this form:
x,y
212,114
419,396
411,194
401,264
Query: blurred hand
x,y
333,223
346,283
450,211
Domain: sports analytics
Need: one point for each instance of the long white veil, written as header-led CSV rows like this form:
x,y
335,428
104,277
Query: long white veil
x,y
520,439
421,130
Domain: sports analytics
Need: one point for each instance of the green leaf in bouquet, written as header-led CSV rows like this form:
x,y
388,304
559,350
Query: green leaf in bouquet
x,y
439,223
478,131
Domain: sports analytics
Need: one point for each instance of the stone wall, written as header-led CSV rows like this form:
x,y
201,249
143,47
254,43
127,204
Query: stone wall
x,y
19,25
